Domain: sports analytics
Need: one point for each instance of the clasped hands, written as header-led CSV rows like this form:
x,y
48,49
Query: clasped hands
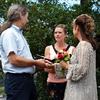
x,y
50,67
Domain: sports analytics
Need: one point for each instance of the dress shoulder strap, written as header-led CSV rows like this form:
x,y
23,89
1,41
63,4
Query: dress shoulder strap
x,y
54,48
67,47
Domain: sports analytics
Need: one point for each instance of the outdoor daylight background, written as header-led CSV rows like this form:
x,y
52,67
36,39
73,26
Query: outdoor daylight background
x,y
43,16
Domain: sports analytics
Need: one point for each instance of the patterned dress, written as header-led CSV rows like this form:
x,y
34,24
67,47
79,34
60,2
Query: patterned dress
x,y
81,84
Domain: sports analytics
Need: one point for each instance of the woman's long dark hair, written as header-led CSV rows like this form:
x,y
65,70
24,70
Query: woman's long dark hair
x,y
87,27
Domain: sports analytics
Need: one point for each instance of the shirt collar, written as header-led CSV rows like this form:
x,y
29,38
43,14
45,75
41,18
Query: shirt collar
x,y
17,28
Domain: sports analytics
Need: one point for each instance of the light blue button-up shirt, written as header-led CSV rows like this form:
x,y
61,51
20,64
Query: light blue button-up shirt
x,y
12,40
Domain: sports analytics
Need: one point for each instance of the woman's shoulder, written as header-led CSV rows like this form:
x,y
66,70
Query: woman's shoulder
x,y
48,47
71,49
85,44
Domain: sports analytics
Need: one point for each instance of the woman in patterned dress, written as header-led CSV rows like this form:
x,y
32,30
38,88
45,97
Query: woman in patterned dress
x,y
81,76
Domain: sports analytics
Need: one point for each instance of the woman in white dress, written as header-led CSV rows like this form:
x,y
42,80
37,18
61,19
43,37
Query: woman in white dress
x,y
81,76
56,85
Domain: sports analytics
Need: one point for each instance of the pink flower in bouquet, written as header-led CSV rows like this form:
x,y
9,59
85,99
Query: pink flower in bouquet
x,y
62,55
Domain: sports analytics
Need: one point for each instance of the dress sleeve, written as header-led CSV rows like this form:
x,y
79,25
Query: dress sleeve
x,y
78,70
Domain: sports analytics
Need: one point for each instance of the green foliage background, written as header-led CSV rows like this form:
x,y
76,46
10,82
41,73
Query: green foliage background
x,y
39,31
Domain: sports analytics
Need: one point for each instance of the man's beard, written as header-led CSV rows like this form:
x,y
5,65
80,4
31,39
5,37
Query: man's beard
x,y
25,27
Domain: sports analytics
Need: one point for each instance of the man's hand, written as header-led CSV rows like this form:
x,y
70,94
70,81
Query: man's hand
x,y
49,67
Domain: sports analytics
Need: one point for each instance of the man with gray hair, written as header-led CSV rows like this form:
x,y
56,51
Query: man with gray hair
x,y
17,62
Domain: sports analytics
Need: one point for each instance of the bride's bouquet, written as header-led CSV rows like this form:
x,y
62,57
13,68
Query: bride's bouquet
x,y
61,56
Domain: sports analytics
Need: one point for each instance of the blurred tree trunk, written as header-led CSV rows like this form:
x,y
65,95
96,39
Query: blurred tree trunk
x,y
84,2
97,38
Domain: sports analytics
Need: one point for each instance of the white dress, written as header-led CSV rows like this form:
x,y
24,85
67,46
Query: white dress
x,y
81,84
52,77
